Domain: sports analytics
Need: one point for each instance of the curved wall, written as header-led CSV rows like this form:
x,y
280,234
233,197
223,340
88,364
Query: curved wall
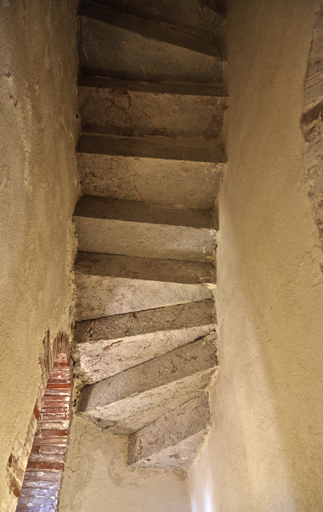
x,y
265,450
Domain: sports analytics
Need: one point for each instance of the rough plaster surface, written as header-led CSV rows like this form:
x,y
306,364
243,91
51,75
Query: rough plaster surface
x,y
38,188
311,121
97,477
265,450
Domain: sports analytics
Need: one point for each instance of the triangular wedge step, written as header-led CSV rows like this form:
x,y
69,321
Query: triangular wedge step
x,y
134,398
102,292
136,229
116,110
149,29
185,16
172,441
107,50
150,180
108,346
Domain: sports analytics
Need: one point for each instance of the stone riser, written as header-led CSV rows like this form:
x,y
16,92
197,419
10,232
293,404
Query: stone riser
x,y
145,240
132,113
151,180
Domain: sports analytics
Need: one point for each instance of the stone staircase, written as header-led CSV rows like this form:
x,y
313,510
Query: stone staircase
x,y
151,160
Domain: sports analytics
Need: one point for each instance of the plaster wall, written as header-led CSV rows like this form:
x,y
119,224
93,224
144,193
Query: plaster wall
x,y
97,477
38,192
265,452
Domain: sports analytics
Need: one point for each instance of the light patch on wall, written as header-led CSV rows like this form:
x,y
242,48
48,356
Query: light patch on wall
x,y
208,505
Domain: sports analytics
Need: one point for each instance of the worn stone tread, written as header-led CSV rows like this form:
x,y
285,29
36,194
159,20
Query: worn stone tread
x,y
106,50
135,211
143,322
132,228
149,29
103,296
96,361
159,444
136,411
180,88
162,270
195,357
184,15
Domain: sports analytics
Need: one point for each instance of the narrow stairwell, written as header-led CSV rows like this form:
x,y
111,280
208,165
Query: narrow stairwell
x,y
151,160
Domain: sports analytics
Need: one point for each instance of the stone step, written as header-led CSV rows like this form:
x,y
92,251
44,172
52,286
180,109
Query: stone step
x,y
169,271
189,149
168,318
131,228
172,441
109,346
108,50
185,15
106,358
136,397
120,111
102,295
149,29
151,180
185,89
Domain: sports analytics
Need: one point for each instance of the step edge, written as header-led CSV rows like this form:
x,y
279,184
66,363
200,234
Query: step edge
x,y
212,90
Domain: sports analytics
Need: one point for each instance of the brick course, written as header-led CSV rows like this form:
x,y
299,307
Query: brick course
x,y
34,469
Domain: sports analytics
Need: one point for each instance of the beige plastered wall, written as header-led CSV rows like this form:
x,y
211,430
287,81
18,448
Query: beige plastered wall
x,y
97,477
265,452
38,191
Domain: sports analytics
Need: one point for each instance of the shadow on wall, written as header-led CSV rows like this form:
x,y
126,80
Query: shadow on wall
x,y
312,124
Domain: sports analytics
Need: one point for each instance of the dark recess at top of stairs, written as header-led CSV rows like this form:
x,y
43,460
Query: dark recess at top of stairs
x,y
149,29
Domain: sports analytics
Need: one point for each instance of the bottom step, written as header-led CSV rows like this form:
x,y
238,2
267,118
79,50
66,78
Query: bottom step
x,y
173,441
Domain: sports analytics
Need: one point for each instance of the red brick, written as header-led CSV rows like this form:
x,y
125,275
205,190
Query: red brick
x,y
51,433
14,486
59,386
45,441
36,412
48,501
34,491
39,465
44,476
